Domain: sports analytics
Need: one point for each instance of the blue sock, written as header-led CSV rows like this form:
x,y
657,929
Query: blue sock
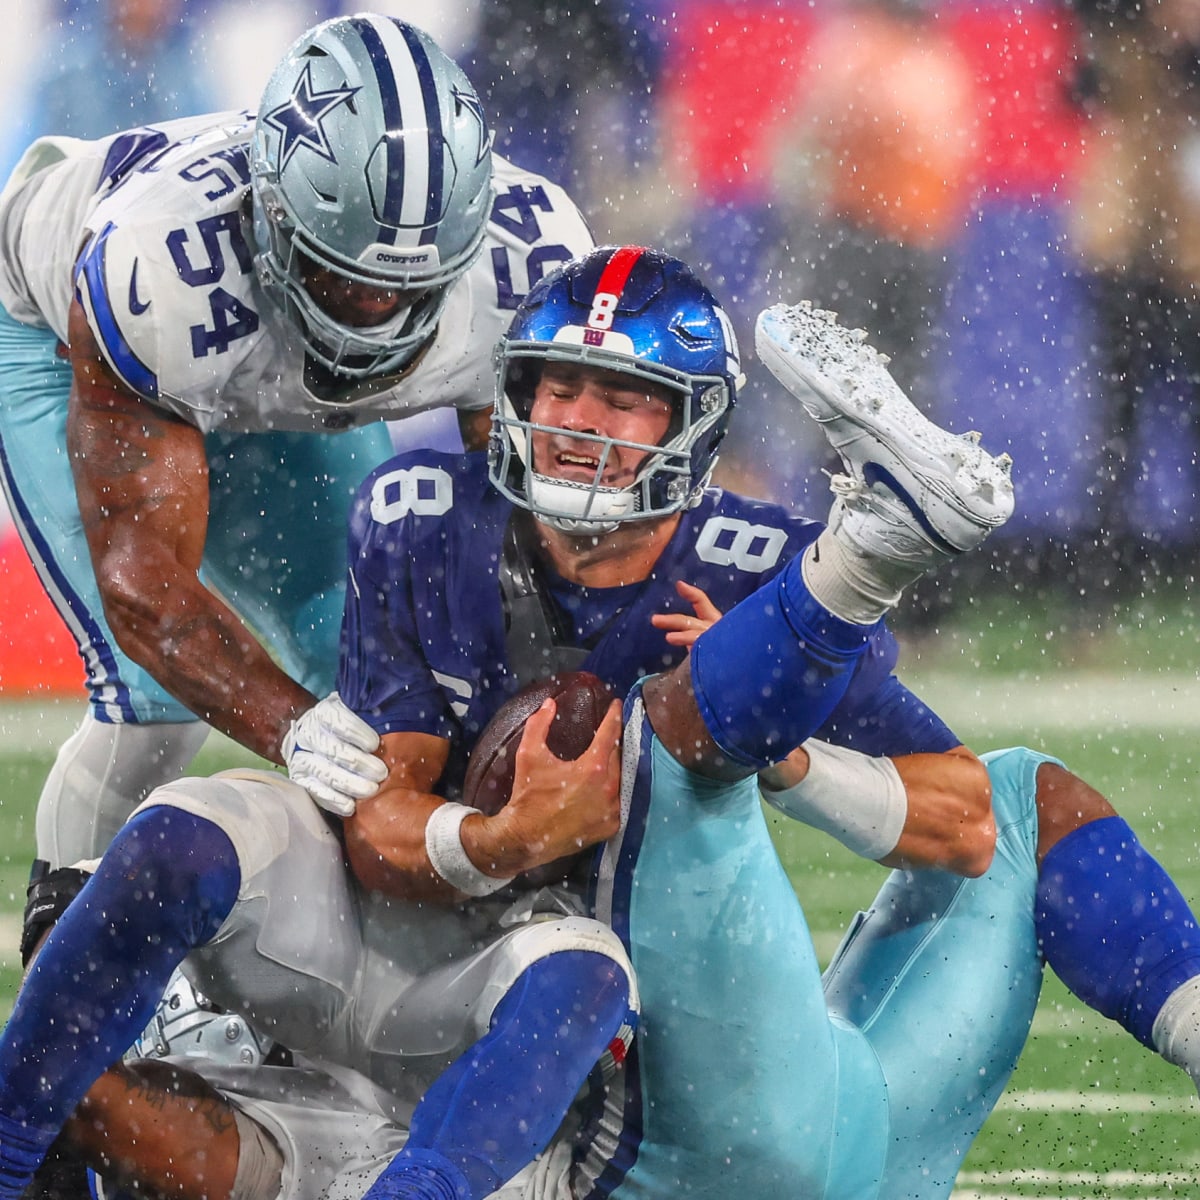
x,y
1113,925
768,674
165,885
496,1107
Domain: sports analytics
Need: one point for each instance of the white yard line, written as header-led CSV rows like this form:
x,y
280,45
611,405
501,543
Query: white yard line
x,y
38,725
992,1185
1062,700
43,726
10,939
1070,700
1096,1102
959,1194
1080,1178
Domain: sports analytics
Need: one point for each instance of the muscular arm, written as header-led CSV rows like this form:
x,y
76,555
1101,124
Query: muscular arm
x,y
557,809
160,1129
142,480
948,823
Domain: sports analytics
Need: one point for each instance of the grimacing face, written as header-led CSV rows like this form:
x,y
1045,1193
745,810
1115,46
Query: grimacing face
x,y
609,404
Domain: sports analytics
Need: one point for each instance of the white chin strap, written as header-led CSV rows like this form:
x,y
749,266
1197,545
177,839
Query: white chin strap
x,y
578,507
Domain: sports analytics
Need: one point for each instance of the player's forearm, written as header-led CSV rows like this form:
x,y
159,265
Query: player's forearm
x,y
921,810
198,649
950,823
386,835
386,841
141,476
134,1120
556,809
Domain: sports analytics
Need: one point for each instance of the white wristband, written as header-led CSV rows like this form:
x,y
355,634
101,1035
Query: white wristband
x,y
443,844
857,799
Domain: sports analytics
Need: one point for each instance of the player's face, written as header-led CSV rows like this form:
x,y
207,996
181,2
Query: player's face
x,y
607,404
352,303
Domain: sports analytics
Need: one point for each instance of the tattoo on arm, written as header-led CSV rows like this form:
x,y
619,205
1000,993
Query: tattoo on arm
x,y
159,1086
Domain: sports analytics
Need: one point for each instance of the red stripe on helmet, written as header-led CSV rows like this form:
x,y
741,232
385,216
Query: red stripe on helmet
x,y
616,274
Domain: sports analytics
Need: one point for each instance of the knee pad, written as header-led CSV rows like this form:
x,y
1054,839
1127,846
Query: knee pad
x,y
541,939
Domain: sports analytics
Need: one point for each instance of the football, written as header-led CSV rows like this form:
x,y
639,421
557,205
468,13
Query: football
x,y
582,701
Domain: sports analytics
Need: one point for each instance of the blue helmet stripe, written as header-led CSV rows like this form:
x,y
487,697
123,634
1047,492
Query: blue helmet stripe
x,y
433,123
392,215
389,99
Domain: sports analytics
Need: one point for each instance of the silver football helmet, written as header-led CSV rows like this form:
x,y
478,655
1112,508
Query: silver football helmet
x,y
371,159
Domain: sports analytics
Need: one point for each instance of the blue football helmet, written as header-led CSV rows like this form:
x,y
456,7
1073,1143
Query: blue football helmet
x,y
642,313
372,159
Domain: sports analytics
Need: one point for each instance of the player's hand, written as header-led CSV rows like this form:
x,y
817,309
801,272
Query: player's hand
x,y
559,808
682,629
329,751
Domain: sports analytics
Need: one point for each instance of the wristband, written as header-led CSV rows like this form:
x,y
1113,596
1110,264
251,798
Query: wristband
x,y
443,844
857,799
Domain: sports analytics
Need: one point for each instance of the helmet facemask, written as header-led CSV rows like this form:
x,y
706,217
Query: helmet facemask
x,y
355,351
666,481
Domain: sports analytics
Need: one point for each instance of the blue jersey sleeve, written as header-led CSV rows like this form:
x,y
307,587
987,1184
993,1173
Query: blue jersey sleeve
x,y
896,722
383,672
423,641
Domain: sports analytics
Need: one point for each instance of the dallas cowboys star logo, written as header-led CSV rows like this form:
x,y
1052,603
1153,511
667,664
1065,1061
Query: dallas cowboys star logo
x,y
470,102
299,120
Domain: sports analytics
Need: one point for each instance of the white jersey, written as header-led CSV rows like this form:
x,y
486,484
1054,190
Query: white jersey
x,y
152,228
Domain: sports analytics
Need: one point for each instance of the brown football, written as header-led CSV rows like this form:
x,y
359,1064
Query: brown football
x,y
582,700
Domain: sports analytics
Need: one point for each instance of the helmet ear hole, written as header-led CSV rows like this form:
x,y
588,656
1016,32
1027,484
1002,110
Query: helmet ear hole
x,y
370,151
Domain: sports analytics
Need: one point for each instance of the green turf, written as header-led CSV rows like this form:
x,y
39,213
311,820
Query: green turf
x,y
1036,1144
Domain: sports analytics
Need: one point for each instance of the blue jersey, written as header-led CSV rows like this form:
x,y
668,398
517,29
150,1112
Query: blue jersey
x,y
423,639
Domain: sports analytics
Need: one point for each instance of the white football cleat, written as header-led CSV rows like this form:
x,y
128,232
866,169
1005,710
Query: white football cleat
x,y
913,493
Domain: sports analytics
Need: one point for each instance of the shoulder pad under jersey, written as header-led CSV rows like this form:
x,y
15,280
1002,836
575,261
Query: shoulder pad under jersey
x,y
166,277
534,228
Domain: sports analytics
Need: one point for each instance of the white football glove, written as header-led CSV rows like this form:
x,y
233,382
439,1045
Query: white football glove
x,y
328,751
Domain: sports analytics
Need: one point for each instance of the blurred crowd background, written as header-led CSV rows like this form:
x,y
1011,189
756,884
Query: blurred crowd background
x,y
1006,197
